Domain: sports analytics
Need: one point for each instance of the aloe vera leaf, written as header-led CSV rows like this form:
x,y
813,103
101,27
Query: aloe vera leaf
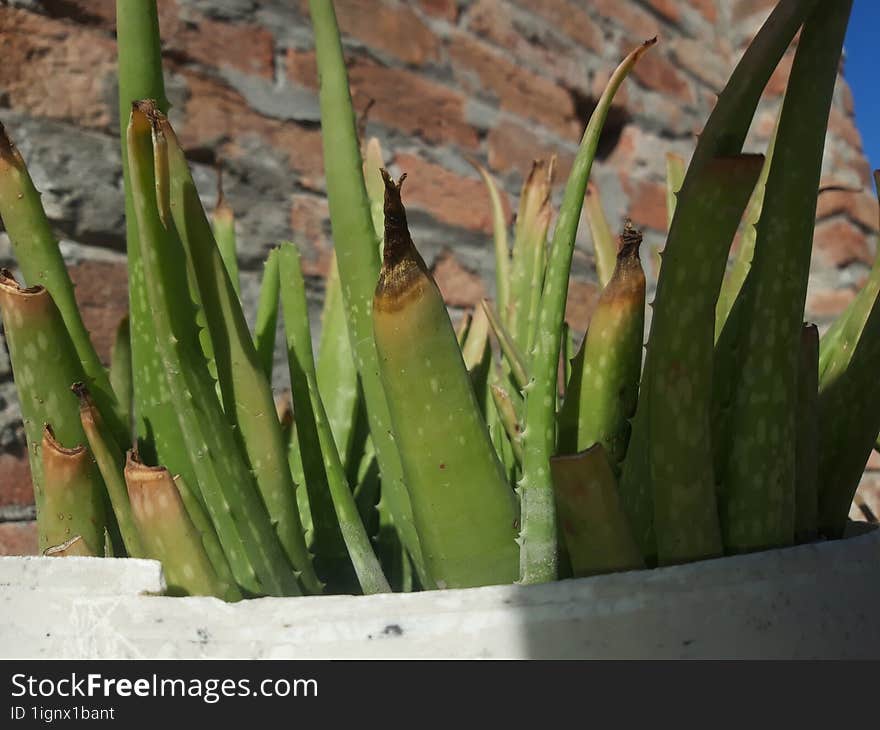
x,y
266,321
356,246
299,344
373,162
120,370
73,494
604,240
332,562
140,77
169,534
223,225
507,415
529,253
44,365
848,395
594,527
675,170
247,392
224,480
538,544
110,462
464,510
195,509
757,488
681,347
513,356
75,547
39,257
499,238
807,446
336,371
742,261
568,351
723,135
601,396
474,346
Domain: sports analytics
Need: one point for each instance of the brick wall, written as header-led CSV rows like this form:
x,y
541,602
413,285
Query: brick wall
x,y
501,80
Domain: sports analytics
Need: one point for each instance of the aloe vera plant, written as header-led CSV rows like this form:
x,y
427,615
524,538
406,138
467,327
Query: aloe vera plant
x,y
421,456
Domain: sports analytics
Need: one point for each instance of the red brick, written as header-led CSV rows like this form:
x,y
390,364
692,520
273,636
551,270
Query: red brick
x,y
517,90
102,295
667,8
18,538
860,207
53,69
569,18
843,126
581,302
490,20
449,198
514,147
657,73
302,67
707,9
691,55
446,9
460,286
647,202
841,243
828,304
217,117
408,102
778,82
243,46
16,489
628,16
392,28
310,222
743,9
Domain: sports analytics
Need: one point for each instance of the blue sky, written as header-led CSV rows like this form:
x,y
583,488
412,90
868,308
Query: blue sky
x,y
861,72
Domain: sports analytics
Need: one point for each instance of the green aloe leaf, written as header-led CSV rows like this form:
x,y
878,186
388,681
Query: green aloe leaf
x,y
224,480
110,461
346,515
337,373
464,509
223,224
529,254
120,370
723,136
596,533
675,170
73,495
39,257
266,322
247,394
601,396
356,245
44,364
807,446
499,237
169,534
757,487
538,546
604,240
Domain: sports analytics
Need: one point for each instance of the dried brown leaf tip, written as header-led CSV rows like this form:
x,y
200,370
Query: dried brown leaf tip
x,y
630,240
397,239
7,149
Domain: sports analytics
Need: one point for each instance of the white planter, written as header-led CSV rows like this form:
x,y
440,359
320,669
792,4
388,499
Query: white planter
x,y
819,600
